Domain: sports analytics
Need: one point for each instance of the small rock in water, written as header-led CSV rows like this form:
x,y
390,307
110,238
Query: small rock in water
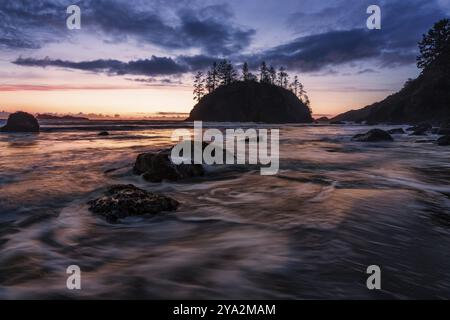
x,y
103,133
396,131
121,201
444,141
420,129
157,166
374,135
21,122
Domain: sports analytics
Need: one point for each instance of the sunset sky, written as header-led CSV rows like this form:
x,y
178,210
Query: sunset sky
x,y
136,57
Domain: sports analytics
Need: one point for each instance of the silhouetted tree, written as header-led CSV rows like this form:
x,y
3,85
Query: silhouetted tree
x,y
214,76
199,89
263,73
209,82
301,92
295,85
272,75
252,77
435,46
226,72
282,76
245,72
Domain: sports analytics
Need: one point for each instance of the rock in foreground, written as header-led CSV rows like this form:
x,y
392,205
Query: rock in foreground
x,y
374,135
21,122
157,166
121,201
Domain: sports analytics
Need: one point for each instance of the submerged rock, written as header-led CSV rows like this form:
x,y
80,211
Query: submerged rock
x,y
21,122
157,166
396,131
420,129
103,134
444,141
374,135
121,201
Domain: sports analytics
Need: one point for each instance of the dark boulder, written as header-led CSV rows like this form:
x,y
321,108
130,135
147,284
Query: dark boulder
x,y
157,166
396,131
21,122
374,135
121,201
444,141
420,129
103,134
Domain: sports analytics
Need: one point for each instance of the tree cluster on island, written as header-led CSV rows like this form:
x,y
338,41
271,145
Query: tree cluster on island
x,y
224,73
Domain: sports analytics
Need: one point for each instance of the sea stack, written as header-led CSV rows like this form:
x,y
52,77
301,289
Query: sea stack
x,y
250,101
21,122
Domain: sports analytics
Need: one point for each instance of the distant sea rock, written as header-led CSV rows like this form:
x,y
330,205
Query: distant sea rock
x,y
121,201
374,135
251,102
62,118
426,98
21,122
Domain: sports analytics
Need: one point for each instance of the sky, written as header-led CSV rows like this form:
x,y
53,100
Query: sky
x,y
138,57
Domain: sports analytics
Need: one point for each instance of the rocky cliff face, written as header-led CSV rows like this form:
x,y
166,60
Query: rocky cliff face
x,y
251,102
426,98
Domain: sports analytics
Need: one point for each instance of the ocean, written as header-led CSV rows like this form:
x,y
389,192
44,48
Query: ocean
x,y
335,208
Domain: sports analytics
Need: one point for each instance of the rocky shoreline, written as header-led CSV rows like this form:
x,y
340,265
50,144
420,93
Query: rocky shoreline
x,y
121,201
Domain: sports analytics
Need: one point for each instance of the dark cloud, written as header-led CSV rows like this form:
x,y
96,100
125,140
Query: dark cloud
x,y
29,24
315,52
340,36
155,66
197,62
333,35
